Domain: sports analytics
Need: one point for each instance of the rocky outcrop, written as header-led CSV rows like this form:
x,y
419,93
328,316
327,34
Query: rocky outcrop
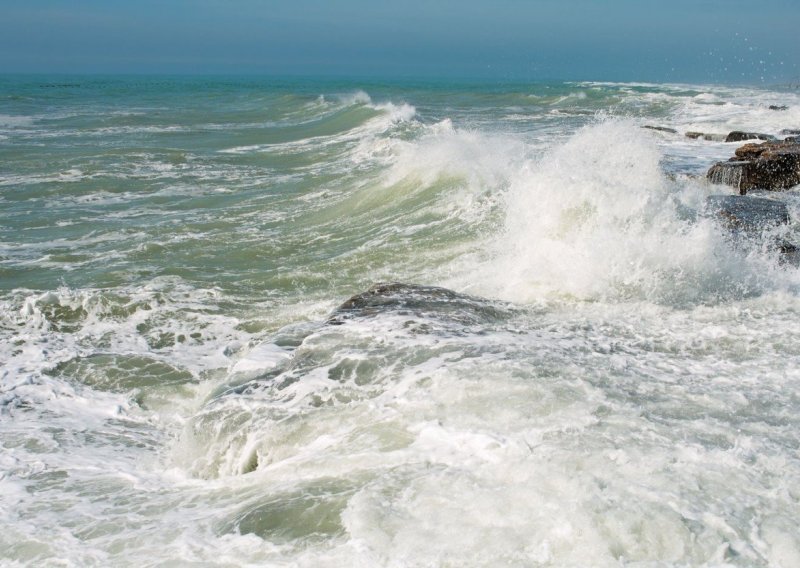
x,y
768,165
739,136
790,132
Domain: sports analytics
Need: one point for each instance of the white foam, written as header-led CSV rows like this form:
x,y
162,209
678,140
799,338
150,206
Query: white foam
x,y
356,98
397,112
260,358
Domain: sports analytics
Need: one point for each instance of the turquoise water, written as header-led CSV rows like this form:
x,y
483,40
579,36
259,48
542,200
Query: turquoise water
x,y
170,393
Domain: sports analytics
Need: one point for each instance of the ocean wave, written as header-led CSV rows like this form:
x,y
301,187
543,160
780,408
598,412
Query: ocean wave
x,y
348,121
596,218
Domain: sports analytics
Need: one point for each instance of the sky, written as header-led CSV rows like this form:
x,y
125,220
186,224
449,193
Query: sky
x,y
713,41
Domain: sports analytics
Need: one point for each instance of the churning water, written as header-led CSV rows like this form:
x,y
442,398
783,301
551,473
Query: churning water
x,y
610,382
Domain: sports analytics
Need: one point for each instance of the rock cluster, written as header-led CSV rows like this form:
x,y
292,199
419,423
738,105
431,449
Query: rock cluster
x,y
772,165
765,163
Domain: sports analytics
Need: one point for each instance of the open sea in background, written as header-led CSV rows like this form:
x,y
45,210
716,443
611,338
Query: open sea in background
x,y
623,388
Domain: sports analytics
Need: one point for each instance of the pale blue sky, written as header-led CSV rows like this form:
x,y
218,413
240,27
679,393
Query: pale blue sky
x,y
648,40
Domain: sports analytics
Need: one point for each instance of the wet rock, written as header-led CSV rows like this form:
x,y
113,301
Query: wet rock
x,y
753,151
751,219
428,302
745,213
661,129
739,136
728,173
705,136
778,107
768,165
790,132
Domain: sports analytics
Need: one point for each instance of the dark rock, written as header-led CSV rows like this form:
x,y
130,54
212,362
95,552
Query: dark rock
x,y
795,139
769,165
790,132
425,302
661,129
778,107
739,136
745,213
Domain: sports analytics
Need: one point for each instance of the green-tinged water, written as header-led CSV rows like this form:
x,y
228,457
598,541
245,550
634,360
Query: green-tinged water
x,y
619,386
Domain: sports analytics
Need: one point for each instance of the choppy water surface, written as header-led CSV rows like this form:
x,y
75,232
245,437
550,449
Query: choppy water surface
x,y
613,383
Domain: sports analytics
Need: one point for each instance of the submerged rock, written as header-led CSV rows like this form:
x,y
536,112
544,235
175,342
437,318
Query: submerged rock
x,y
778,107
661,129
739,136
710,137
768,165
790,132
419,301
753,218
745,213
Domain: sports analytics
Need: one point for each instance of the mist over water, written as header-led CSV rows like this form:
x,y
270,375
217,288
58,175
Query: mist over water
x,y
615,385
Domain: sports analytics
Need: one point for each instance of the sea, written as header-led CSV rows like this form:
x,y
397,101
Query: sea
x,y
565,363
